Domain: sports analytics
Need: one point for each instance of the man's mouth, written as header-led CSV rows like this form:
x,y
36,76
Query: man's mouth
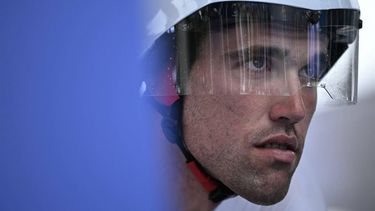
x,y
281,148
277,146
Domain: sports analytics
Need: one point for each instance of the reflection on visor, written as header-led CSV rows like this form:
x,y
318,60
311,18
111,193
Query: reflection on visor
x,y
255,59
262,49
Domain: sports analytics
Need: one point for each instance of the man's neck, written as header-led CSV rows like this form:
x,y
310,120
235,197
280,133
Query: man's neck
x,y
184,186
195,196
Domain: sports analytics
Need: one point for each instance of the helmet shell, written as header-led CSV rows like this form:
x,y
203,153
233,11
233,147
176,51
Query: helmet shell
x,y
163,14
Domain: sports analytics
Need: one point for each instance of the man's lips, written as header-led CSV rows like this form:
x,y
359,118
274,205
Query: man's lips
x,y
280,147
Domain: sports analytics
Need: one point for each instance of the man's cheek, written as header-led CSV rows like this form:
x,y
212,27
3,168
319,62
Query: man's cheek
x,y
310,100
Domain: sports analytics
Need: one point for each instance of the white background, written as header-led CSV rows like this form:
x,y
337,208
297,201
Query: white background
x,y
341,142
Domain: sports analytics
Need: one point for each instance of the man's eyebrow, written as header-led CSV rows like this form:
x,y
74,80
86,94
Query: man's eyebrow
x,y
268,50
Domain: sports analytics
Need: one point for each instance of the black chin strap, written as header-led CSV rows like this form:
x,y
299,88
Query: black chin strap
x,y
172,129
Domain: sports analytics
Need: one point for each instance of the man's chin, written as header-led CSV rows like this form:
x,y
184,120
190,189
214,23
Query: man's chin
x,y
267,200
266,195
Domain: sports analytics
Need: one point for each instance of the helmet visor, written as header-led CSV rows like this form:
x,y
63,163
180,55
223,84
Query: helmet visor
x,y
264,49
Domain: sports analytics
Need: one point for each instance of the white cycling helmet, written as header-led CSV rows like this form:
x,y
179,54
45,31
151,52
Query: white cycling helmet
x,y
269,47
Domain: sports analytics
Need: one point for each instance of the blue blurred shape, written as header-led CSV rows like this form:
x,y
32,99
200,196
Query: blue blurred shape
x,y
72,126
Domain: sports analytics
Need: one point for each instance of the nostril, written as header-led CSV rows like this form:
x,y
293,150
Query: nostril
x,y
284,119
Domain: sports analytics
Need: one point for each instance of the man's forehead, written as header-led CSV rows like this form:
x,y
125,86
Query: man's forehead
x,y
287,39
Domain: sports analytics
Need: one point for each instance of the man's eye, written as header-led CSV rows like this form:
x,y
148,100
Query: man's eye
x,y
256,64
316,69
306,73
257,60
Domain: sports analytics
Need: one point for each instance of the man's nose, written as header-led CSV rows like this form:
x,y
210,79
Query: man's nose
x,y
288,109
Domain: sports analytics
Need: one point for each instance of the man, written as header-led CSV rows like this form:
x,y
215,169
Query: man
x,y
236,85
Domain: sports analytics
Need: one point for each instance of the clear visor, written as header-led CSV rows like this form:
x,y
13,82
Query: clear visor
x,y
264,49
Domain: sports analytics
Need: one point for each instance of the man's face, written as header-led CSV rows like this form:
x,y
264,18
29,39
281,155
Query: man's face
x,y
251,143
